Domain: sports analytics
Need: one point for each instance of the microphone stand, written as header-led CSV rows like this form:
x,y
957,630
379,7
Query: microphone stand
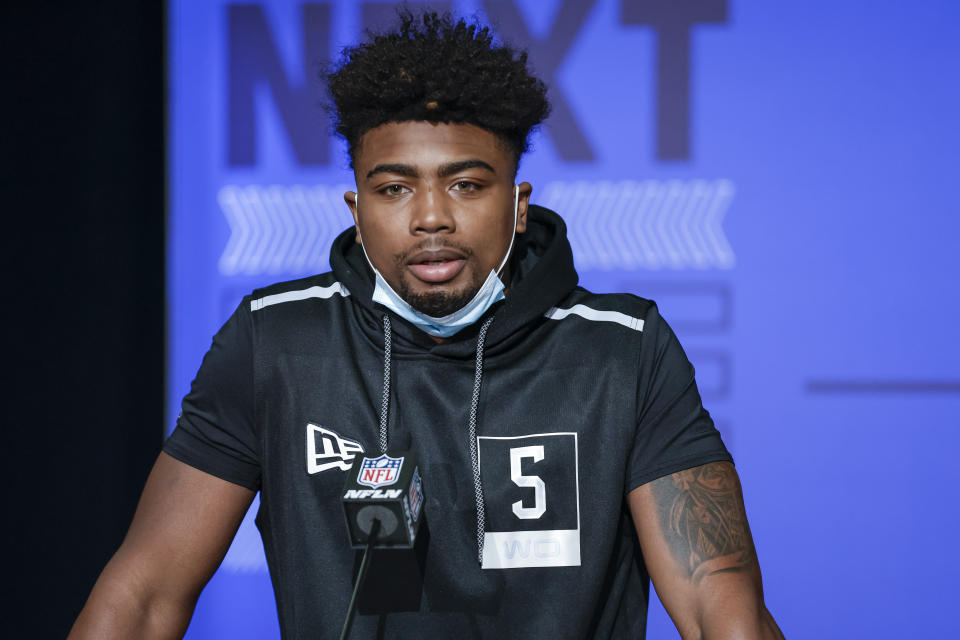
x,y
361,575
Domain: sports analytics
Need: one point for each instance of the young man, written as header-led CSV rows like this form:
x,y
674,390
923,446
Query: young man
x,y
565,455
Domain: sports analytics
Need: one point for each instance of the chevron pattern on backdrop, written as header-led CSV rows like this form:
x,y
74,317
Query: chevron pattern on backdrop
x,y
624,225
650,224
281,229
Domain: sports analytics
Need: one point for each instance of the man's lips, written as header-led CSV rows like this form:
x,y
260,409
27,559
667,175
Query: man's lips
x,y
436,265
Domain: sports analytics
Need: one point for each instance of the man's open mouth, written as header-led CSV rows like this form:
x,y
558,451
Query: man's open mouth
x,y
436,265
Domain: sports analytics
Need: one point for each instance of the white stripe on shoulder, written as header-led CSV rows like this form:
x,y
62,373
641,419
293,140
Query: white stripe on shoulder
x,y
596,315
302,294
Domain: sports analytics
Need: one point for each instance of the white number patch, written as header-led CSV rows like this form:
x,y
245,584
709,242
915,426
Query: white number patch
x,y
540,489
524,527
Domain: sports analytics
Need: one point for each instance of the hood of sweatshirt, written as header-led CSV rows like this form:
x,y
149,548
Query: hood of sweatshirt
x,y
542,275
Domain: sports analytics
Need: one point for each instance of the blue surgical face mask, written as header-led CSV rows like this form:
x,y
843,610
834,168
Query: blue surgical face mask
x,y
490,292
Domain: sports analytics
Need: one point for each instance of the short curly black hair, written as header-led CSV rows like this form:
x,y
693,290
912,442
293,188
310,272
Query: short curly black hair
x,y
434,69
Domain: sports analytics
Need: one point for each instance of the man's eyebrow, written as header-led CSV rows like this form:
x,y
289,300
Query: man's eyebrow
x,y
399,169
451,168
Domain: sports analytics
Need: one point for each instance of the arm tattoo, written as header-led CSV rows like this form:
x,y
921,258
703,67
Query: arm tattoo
x,y
703,520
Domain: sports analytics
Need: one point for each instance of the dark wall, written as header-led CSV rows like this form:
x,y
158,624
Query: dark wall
x,y
83,209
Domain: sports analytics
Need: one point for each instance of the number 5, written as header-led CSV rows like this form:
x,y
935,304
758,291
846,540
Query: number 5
x,y
540,489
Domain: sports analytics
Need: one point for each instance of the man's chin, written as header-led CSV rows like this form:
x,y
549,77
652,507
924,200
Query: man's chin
x,y
438,303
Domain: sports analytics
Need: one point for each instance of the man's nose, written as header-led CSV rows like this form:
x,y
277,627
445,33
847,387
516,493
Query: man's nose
x,y
432,213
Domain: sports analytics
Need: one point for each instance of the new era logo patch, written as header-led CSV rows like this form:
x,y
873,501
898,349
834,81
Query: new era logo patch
x,y
327,449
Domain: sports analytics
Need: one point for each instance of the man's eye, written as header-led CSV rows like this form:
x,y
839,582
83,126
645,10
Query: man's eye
x,y
393,189
466,185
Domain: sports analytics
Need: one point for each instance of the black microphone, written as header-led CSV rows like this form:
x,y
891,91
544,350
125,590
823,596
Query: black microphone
x,y
387,488
383,504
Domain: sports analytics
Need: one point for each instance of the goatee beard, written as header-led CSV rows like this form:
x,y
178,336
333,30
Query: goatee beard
x,y
440,303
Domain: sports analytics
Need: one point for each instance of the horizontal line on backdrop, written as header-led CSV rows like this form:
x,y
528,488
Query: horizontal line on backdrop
x,y
883,386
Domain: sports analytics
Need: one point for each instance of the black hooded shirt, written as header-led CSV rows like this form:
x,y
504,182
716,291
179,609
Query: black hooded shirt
x,y
581,398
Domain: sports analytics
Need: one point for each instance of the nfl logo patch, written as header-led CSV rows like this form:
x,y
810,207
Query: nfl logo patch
x,y
379,472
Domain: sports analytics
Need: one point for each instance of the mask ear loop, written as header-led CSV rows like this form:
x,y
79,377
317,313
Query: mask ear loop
x,y
356,204
513,233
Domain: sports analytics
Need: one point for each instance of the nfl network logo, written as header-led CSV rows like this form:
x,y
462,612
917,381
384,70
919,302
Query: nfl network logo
x,y
379,472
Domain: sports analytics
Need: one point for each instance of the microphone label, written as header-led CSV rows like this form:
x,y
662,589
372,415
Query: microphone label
x,y
415,495
379,472
372,494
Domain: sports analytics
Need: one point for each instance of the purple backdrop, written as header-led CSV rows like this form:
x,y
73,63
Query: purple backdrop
x,y
780,177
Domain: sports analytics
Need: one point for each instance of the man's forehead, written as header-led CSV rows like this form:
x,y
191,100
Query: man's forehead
x,y
430,147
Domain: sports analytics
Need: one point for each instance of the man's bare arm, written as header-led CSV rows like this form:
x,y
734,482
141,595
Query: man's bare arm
x,y
182,529
697,546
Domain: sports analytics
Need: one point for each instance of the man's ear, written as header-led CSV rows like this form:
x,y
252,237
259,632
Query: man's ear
x,y
526,189
350,197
